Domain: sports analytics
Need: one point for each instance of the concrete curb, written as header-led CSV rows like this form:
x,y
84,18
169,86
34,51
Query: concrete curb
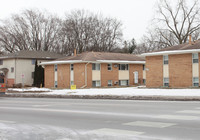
x,y
161,98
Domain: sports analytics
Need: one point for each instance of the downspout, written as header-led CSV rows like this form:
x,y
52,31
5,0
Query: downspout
x,y
85,76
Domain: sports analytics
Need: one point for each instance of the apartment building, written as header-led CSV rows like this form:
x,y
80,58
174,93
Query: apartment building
x,y
176,66
95,69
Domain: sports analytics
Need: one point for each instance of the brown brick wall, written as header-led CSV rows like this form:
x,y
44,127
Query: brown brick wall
x,y
133,68
154,72
49,76
89,75
109,75
64,76
79,74
180,70
10,82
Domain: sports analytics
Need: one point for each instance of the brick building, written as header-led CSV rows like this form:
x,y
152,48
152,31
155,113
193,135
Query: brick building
x,y
95,69
176,66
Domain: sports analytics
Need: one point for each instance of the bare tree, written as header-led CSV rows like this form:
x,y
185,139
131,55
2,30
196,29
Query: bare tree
x,y
177,22
86,31
30,30
36,30
172,25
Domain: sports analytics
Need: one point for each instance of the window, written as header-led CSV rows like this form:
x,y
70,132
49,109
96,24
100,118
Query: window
x,y
109,82
33,75
123,66
165,59
12,69
55,67
1,62
123,82
143,67
195,58
144,81
33,61
96,83
95,66
109,66
56,84
166,82
72,83
72,67
195,81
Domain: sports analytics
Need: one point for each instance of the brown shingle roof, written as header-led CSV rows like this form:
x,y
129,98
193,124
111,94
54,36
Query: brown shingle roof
x,y
185,46
93,56
25,54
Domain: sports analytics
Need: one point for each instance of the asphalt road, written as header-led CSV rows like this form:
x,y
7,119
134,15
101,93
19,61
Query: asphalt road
x,y
66,119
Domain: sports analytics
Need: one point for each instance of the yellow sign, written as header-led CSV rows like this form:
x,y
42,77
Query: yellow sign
x,y
73,87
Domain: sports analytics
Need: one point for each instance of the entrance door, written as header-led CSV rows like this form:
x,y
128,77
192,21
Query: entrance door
x,y
136,77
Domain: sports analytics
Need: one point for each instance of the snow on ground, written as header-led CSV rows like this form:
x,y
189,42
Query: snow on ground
x,y
34,89
129,91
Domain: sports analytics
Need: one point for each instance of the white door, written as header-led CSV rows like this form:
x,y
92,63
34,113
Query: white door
x,y
136,77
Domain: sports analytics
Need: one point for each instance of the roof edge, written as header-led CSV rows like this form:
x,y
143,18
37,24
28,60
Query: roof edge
x,y
171,52
100,61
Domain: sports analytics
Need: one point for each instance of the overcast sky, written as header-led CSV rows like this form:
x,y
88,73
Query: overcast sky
x,y
134,14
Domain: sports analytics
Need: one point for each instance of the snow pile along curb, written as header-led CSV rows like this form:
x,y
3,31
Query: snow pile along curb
x,y
110,93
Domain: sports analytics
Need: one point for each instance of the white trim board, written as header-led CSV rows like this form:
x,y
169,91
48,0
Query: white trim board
x,y
97,61
171,52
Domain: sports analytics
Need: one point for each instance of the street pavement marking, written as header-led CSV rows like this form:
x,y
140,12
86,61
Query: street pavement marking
x,y
115,132
150,124
40,105
76,111
177,117
190,111
5,121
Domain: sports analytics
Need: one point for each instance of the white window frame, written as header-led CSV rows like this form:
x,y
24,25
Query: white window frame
x,y
144,81
109,66
96,85
56,84
143,66
127,82
72,83
33,61
164,82
95,66
194,82
71,67
12,69
165,59
126,67
195,58
55,67
109,82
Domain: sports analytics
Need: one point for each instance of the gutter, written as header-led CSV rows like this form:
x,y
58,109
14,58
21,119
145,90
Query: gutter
x,y
97,61
85,76
171,52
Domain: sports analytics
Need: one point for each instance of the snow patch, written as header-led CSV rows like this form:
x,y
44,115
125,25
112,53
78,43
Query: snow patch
x,y
129,91
30,89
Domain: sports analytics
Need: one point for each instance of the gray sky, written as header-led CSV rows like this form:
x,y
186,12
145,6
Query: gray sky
x,y
134,14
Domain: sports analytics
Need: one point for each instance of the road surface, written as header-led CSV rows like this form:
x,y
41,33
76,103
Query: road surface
x,y
66,119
